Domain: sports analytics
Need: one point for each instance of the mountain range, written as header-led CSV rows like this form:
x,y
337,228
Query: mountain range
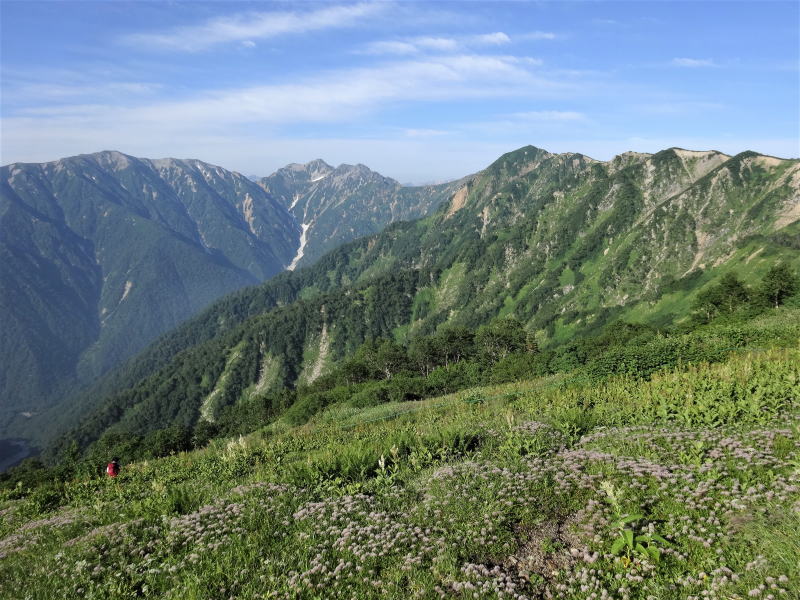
x,y
563,243
336,205
102,253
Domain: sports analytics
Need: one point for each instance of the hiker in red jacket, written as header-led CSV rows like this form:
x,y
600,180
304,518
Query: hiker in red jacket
x,y
112,470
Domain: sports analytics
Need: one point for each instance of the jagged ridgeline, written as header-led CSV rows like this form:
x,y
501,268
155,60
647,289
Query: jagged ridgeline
x,y
336,205
102,253
563,243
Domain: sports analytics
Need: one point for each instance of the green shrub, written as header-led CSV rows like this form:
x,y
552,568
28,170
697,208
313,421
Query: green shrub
x,y
446,380
371,394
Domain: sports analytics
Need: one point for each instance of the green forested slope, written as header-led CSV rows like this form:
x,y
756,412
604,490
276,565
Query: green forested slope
x,y
562,243
102,253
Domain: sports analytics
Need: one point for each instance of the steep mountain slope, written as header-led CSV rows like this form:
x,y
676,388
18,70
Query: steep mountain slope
x,y
104,252
336,205
562,242
101,253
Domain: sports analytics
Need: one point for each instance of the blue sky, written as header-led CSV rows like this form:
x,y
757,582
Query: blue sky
x,y
418,91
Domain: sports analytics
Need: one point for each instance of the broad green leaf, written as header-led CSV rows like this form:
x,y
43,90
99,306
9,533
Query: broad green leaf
x,y
630,519
628,537
617,546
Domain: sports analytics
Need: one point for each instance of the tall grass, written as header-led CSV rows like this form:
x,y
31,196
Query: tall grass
x,y
522,490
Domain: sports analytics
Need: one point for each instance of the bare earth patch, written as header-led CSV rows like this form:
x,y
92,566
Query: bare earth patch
x,y
458,202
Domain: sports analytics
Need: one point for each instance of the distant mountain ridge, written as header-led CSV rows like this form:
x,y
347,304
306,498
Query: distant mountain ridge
x,y
102,253
562,242
334,205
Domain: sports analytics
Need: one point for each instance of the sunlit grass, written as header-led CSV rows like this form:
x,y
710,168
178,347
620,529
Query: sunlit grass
x,y
684,485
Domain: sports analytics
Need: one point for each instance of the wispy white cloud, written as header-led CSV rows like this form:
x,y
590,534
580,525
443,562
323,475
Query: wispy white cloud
x,y
533,122
536,35
679,107
417,45
693,62
251,26
27,91
425,133
391,47
497,38
441,44
336,96
92,82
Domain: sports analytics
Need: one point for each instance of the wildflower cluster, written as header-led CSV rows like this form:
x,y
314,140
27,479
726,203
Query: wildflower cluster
x,y
528,510
29,534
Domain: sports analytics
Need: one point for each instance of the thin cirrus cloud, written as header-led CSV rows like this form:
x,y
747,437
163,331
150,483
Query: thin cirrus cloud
x,y
497,38
332,97
246,27
534,120
536,36
679,107
693,62
417,45
64,92
425,133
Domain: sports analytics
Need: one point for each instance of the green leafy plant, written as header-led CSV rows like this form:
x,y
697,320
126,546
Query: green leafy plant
x,y
386,474
630,541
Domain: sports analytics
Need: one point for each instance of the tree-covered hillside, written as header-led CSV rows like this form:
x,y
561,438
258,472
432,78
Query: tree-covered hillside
x,y
561,243
103,253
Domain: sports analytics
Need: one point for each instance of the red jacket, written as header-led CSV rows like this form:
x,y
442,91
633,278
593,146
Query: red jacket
x,y
112,470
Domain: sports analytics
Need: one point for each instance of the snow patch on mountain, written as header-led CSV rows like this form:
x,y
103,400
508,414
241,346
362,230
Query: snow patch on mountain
x,y
128,286
301,249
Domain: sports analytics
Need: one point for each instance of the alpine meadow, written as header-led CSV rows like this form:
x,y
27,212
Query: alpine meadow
x,y
569,370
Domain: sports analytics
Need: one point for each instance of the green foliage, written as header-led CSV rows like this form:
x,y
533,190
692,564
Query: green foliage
x,y
163,442
382,371
631,541
454,377
514,367
729,295
779,283
500,338
441,279
641,499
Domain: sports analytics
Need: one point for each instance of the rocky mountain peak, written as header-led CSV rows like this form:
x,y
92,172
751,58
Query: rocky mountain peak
x,y
318,166
111,159
359,172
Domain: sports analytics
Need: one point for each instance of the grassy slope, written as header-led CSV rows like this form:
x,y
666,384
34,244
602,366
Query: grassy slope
x,y
514,491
